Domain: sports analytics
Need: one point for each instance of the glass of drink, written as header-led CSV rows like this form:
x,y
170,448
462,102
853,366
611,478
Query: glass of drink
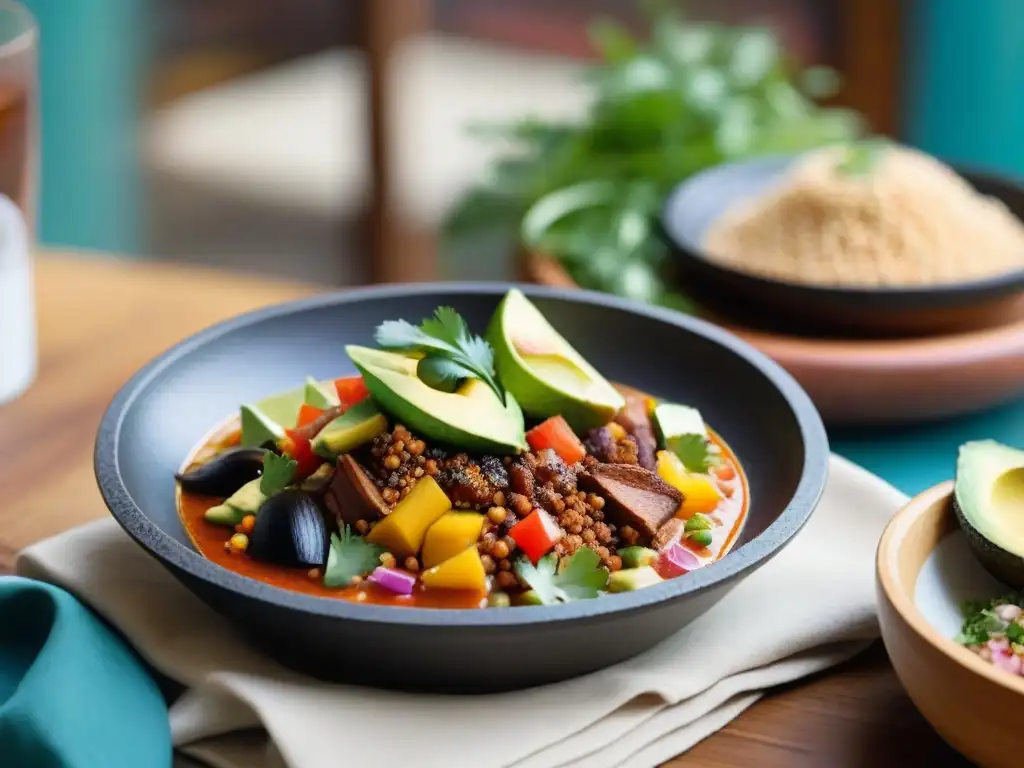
x,y
18,189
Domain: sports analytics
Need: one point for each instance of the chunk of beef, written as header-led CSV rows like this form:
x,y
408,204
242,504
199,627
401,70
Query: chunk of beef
x,y
634,496
520,478
549,468
352,496
602,445
469,483
669,533
636,420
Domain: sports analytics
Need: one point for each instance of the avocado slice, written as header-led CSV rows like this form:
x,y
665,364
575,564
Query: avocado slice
x,y
542,370
988,501
359,424
266,420
245,501
320,394
630,579
672,420
471,418
258,428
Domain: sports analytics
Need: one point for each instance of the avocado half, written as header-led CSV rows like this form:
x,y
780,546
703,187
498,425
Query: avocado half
x,y
988,501
472,418
543,371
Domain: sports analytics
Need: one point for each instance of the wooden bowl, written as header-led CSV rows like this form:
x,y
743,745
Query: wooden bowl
x,y
887,311
879,381
923,567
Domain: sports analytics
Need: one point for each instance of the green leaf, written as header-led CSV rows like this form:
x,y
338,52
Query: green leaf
x,y
442,374
980,620
1015,633
579,577
697,453
348,557
278,472
443,337
541,578
613,41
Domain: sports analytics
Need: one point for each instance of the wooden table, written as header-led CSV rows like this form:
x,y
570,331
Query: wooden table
x,y
100,319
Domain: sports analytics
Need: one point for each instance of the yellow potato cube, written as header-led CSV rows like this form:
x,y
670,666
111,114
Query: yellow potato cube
x,y
402,532
700,494
452,533
464,571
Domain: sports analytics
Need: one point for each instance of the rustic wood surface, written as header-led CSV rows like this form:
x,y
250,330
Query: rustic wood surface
x,y
100,319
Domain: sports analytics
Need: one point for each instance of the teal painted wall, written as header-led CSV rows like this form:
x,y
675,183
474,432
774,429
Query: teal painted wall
x,y
964,86
92,56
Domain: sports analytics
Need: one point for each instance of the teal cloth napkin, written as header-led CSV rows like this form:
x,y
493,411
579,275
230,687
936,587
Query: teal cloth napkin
x,y
72,693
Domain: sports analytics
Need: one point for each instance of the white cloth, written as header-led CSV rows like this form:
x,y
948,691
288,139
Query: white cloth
x,y
809,608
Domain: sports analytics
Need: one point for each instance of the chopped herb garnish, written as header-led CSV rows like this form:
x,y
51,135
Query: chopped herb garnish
x,y
445,340
981,621
580,577
697,453
1015,633
278,472
350,556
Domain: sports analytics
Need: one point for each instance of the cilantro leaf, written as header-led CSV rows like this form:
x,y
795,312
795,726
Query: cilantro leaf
x,y
1015,633
278,471
441,373
697,453
580,577
445,336
348,557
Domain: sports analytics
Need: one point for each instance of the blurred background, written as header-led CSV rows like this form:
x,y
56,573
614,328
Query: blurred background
x,y
326,139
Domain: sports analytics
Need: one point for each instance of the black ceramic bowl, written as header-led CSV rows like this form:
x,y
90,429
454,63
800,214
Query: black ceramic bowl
x,y
165,409
803,308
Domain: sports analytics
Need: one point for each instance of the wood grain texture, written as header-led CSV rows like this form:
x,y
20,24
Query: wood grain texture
x,y
101,319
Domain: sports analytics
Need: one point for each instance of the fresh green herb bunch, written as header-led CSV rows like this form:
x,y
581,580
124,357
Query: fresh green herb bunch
x,y
692,96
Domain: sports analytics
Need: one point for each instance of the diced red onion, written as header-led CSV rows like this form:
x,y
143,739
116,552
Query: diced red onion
x,y
1008,661
393,580
1002,645
677,560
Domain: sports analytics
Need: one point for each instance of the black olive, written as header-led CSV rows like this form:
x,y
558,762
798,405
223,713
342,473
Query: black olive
x,y
225,473
291,531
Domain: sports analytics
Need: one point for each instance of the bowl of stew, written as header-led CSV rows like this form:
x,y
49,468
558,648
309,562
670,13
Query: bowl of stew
x,y
461,487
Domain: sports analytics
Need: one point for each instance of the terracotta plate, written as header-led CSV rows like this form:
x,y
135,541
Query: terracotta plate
x,y
861,382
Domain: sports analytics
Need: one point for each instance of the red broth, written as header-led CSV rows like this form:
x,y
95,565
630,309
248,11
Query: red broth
x,y
210,540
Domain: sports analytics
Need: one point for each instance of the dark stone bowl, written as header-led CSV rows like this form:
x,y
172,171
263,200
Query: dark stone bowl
x,y
817,310
166,408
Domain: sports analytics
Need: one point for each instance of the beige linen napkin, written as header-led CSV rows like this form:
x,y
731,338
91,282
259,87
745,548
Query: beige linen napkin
x,y
809,608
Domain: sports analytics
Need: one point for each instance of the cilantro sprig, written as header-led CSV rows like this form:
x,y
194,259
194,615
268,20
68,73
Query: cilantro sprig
x,y
580,577
278,472
697,453
450,352
350,556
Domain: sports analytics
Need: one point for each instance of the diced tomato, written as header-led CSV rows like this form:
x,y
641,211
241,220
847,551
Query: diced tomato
x,y
308,414
298,447
351,390
556,433
536,534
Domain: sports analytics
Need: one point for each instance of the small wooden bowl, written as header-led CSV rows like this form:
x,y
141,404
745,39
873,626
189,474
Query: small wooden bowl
x,y
973,705
887,311
878,381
